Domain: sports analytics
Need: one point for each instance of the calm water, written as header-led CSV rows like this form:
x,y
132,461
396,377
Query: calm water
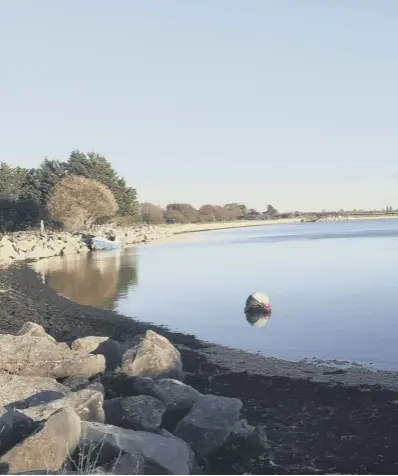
x,y
333,288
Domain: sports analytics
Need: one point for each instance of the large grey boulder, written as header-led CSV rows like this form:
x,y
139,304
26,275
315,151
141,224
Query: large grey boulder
x,y
175,395
154,356
16,389
88,344
135,413
31,329
14,427
161,455
49,448
27,354
87,403
209,423
117,384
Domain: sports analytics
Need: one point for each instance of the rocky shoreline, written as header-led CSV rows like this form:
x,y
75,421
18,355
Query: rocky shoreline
x,y
23,246
98,407
316,419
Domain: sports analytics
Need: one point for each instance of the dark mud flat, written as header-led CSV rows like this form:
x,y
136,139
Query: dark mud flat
x,y
315,423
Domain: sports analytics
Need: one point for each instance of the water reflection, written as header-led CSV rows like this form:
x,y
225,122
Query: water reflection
x,y
93,279
257,317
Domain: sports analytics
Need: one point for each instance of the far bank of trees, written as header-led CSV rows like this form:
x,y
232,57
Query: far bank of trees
x,y
186,213
85,190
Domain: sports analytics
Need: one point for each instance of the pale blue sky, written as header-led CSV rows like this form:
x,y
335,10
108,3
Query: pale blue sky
x,y
289,102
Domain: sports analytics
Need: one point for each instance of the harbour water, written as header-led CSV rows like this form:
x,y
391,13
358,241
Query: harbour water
x,y
332,286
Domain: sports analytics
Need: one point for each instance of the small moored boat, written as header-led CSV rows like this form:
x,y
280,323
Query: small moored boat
x,y
101,243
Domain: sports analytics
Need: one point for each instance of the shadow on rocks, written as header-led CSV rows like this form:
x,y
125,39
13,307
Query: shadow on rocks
x,y
113,352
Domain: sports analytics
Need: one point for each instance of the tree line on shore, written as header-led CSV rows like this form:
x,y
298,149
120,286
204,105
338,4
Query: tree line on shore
x,y
186,213
84,190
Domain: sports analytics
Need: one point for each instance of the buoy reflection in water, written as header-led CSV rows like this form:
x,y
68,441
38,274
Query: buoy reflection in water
x,y
257,317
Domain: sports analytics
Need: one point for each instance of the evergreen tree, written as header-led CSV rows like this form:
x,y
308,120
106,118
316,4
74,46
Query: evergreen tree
x,y
97,167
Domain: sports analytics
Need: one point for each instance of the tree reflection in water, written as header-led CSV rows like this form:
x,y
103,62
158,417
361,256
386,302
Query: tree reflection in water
x,y
96,279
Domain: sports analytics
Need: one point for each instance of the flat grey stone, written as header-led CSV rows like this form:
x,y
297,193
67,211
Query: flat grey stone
x,y
175,395
32,354
49,448
135,413
23,391
87,403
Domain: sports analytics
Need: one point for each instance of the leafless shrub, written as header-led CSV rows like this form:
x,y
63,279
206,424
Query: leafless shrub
x,y
78,202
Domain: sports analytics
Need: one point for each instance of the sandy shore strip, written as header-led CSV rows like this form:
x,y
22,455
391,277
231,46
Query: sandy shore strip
x,y
197,227
196,231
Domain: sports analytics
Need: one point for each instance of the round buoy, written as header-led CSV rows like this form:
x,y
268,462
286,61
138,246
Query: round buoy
x,y
257,301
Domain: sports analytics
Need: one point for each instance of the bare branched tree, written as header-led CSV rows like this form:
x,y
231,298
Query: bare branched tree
x,y
78,202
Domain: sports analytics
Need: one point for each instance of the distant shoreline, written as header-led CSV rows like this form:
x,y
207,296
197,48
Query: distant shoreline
x,y
180,233
199,227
